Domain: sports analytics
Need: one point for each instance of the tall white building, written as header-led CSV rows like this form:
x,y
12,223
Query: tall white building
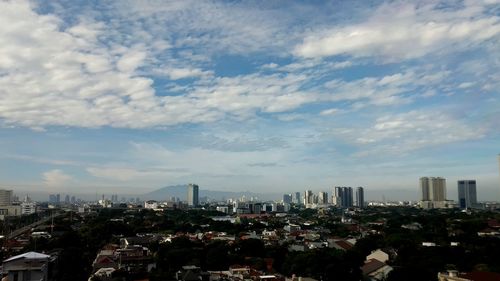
x,y
308,197
5,197
193,197
323,197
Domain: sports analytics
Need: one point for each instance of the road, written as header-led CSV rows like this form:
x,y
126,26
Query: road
x,y
24,229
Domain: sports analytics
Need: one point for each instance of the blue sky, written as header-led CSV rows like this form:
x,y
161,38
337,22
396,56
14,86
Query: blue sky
x,y
266,96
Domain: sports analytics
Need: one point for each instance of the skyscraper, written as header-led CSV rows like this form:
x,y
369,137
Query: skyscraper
x,y
343,197
323,197
308,197
360,197
297,198
467,196
433,188
424,188
192,196
287,198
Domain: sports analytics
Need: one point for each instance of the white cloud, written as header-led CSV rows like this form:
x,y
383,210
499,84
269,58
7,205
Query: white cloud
x,y
389,90
56,178
409,131
331,111
401,31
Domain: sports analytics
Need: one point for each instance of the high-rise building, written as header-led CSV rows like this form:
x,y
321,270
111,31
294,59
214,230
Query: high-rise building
x,y
5,197
343,197
323,198
424,188
192,196
287,198
308,197
433,189
297,198
360,197
467,196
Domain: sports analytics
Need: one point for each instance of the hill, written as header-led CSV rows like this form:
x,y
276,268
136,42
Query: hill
x,y
180,191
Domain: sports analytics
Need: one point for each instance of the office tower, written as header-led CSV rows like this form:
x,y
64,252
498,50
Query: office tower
x,y
438,189
287,198
308,197
347,197
467,197
343,197
424,188
360,197
323,197
192,197
5,197
66,199
336,198
297,198
58,198
433,188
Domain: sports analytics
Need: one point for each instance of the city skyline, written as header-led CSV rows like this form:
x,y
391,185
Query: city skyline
x,y
125,98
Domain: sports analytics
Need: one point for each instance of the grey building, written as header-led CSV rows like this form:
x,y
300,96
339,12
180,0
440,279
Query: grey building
x,y
5,197
360,197
467,196
343,197
193,195
323,198
297,198
287,198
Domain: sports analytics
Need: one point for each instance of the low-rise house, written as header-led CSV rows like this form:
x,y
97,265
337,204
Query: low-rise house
x,y
375,270
340,244
378,255
27,266
192,273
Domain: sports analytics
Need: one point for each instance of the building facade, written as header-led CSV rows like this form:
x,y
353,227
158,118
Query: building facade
x,y
308,197
193,195
297,198
5,197
343,197
323,198
467,196
433,191
287,198
360,197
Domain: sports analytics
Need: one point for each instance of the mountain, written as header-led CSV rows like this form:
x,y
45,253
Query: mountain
x,y
180,191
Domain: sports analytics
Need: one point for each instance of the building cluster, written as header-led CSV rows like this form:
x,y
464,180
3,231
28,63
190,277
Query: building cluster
x,y
131,256
343,197
10,205
433,194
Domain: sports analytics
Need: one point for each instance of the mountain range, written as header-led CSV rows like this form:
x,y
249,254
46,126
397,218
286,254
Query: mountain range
x,y
180,191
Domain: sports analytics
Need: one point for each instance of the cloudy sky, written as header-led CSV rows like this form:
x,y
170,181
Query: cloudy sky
x,y
266,96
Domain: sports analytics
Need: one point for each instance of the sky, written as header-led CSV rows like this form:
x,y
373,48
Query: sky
x,y
266,96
